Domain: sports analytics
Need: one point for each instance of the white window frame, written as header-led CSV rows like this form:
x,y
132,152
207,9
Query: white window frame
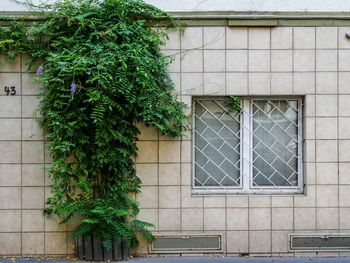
x,y
246,156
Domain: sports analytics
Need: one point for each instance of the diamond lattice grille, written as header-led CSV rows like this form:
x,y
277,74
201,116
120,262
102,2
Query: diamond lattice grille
x,y
255,150
275,142
217,145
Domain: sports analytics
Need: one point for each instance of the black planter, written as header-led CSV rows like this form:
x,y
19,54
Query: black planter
x,y
91,248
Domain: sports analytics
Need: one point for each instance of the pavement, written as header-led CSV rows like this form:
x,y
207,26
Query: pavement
x,y
187,260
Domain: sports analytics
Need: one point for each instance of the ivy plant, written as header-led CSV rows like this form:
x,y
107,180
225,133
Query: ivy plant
x,y
103,72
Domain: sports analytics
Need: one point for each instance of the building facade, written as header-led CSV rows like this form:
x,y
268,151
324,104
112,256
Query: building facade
x,y
278,167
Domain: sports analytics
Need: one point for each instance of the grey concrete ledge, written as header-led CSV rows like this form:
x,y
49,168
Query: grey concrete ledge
x,y
270,19
206,15
259,15
237,19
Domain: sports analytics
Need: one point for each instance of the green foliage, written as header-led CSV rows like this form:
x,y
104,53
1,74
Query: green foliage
x,y
111,218
103,72
234,103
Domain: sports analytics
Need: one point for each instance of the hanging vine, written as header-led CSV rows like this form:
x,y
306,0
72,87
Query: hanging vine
x,y
102,72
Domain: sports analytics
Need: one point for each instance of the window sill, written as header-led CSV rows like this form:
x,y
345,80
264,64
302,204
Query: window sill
x,y
266,191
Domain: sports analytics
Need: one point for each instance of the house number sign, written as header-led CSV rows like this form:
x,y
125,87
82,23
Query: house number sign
x,y
10,90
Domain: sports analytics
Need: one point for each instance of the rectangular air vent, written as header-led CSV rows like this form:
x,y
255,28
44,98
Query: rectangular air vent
x,y
320,241
187,243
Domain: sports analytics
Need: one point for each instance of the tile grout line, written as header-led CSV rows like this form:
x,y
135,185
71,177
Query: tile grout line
x,y
157,163
181,141
303,174
248,91
21,58
270,224
245,71
218,49
225,67
202,44
270,199
338,119
44,191
44,150
189,207
158,186
220,72
248,56
315,146
158,141
293,53
270,51
44,146
203,222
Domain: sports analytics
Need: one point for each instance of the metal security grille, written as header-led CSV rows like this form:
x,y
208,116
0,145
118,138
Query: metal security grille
x,y
217,145
256,150
275,141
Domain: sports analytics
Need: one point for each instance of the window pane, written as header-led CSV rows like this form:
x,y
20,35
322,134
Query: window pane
x,y
275,142
217,145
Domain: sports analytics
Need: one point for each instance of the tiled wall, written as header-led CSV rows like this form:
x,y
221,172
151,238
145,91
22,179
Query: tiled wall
x,y
308,61
24,230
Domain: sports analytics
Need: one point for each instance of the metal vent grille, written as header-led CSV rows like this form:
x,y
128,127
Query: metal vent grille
x,y
186,244
316,242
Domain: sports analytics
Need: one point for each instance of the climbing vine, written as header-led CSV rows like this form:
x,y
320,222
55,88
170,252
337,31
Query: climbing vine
x,y
234,103
102,72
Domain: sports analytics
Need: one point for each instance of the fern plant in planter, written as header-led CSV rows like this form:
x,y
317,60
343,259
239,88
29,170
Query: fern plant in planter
x,y
102,72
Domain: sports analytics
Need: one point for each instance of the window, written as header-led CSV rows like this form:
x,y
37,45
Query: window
x,y
257,150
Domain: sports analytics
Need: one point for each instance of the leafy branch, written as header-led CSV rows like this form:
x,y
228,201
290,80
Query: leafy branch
x,y
103,72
